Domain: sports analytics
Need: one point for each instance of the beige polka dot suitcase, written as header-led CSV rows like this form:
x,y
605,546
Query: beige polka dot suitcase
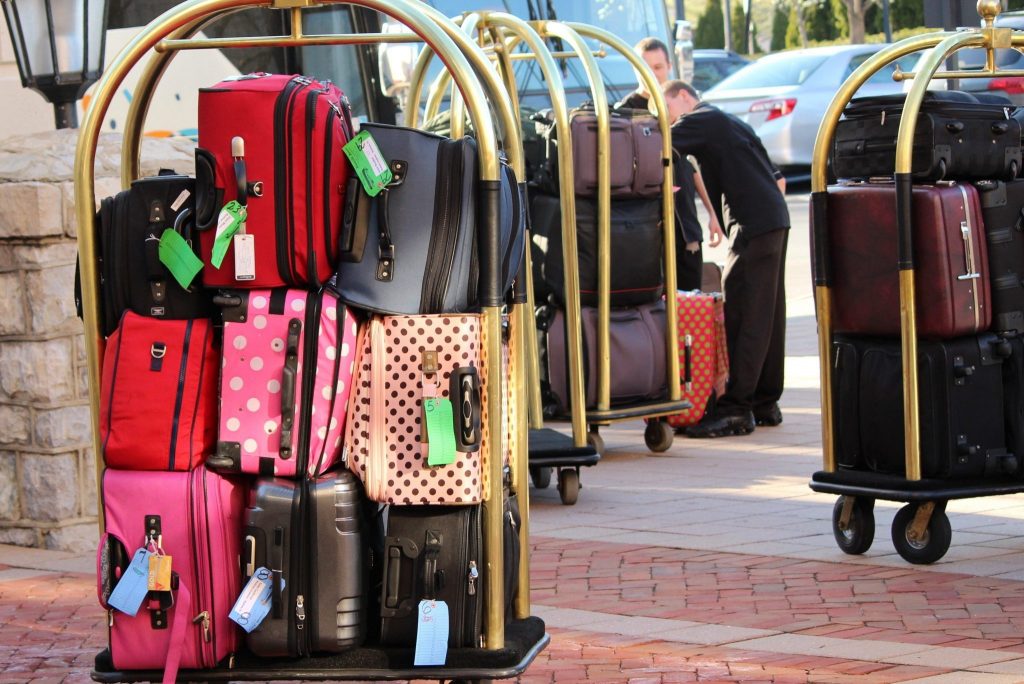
x,y
401,361
285,378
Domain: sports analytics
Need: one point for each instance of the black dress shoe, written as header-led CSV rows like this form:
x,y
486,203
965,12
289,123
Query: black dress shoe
x,y
769,417
722,426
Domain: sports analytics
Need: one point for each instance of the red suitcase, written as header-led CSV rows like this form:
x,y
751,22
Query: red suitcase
x,y
292,171
701,320
950,260
158,394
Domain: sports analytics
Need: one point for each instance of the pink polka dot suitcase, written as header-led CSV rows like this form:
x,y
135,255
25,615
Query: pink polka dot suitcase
x,y
285,379
401,361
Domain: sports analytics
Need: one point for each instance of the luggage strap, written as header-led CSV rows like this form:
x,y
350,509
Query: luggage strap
x,y
179,621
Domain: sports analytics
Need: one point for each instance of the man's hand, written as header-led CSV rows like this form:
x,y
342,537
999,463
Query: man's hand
x,y
715,233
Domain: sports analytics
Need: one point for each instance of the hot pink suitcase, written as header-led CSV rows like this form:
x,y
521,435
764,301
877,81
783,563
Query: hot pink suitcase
x,y
196,518
398,357
284,391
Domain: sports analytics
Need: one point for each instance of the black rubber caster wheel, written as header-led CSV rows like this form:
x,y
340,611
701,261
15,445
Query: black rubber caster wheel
x,y
659,435
860,532
540,476
932,546
568,485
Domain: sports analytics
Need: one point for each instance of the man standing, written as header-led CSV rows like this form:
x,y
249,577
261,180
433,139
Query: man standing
x,y
687,181
738,171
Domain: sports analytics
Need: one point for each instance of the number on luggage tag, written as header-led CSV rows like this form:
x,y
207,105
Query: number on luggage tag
x,y
132,588
440,431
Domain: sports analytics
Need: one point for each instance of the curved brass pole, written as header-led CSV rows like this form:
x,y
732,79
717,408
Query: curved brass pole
x,y
819,184
457,116
908,318
436,34
668,209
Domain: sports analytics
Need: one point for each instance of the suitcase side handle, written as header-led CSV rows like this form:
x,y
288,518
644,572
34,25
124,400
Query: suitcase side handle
x,y
397,550
288,381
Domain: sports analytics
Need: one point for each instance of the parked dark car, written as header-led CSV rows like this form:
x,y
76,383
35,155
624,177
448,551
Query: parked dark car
x,y
711,66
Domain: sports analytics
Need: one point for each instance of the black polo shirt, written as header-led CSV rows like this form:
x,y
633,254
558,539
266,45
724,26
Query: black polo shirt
x,y
735,167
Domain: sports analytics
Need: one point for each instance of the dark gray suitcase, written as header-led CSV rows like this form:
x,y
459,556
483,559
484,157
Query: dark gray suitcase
x,y
960,390
308,534
432,552
637,337
412,249
1002,206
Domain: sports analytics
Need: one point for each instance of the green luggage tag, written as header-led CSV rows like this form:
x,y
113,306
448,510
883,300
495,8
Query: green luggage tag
x,y
231,218
440,431
370,166
176,254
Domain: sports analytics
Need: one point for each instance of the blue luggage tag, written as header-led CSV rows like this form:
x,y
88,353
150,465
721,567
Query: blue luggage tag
x,y
253,605
431,633
132,588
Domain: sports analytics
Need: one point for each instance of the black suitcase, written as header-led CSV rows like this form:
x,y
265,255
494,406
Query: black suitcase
x,y
1002,206
432,552
960,390
636,249
310,534
956,137
130,272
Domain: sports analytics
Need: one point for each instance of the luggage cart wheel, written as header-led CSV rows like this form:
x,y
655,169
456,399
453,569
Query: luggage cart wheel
x,y
854,534
595,440
659,435
569,485
541,476
921,532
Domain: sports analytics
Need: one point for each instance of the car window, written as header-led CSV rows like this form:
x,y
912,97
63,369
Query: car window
x,y
705,74
883,75
974,58
777,70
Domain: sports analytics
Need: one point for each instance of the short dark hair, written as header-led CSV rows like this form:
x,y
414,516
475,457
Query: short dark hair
x,y
652,43
672,88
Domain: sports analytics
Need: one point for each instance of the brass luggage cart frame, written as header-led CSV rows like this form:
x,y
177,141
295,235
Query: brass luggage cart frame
x,y
921,532
508,647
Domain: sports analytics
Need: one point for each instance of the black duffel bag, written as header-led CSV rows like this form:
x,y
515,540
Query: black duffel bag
x,y
131,275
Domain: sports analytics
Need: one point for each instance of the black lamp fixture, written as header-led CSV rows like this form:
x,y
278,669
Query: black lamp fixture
x,y
59,48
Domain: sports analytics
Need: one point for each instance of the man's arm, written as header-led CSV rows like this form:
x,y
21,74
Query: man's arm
x,y
714,227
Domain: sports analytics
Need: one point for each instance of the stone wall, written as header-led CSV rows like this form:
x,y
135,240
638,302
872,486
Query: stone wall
x,y
47,467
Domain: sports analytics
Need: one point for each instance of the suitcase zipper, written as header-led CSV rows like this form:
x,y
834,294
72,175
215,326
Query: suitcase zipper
x,y
376,463
282,149
332,114
447,217
180,395
197,525
311,101
308,363
335,373
471,615
297,637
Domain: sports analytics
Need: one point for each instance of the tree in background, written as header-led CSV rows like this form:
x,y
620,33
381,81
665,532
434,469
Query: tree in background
x,y
780,23
855,19
796,31
710,31
738,27
906,14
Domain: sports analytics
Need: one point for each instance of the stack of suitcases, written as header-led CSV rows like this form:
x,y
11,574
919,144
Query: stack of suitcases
x,y
968,249
293,390
637,284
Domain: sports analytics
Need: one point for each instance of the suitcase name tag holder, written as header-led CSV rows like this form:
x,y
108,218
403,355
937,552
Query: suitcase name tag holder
x,y
437,415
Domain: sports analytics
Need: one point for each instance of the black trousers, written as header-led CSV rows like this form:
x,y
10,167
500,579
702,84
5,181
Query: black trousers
x,y
689,265
755,320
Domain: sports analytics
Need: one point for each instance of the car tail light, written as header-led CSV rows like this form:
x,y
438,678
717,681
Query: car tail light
x,y
775,108
1010,84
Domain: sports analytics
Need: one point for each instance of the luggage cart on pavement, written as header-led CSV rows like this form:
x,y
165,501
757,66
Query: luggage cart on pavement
x,y
921,531
508,646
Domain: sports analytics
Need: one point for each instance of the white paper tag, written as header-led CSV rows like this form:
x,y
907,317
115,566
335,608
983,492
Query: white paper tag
x,y
374,156
431,633
245,256
180,200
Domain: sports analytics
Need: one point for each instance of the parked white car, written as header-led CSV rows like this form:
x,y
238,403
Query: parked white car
x,y
783,96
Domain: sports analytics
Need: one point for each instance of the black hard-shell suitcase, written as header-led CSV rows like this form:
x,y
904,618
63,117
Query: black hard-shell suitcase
x,y
956,137
960,390
1002,206
310,535
636,251
130,272
432,552
412,249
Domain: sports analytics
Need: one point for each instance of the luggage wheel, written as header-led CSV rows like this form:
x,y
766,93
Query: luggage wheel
x,y
541,476
853,524
921,532
569,485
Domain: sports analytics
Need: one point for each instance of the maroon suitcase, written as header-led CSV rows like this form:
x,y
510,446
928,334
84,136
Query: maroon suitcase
x,y
291,176
950,260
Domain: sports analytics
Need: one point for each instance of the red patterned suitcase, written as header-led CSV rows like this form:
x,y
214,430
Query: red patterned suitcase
x,y
950,260
158,394
291,175
701,318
